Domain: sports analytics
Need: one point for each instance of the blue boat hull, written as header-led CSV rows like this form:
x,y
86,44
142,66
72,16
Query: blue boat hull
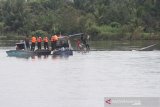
x,y
19,53
27,53
63,52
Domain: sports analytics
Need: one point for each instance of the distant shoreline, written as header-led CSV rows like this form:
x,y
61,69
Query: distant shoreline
x,y
99,37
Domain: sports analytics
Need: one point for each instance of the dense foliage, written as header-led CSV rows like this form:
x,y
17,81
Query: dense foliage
x,y
102,19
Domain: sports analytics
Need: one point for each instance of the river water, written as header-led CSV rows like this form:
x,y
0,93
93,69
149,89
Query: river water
x,y
81,80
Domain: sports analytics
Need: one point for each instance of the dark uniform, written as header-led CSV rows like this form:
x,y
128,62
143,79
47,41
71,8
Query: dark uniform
x,y
46,43
39,40
27,42
84,41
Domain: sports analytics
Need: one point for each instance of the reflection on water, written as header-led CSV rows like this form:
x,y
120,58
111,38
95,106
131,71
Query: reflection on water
x,y
123,45
41,57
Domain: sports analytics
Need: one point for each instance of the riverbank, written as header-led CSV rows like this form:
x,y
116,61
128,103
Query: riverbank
x,y
111,45
11,37
127,36
119,35
99,36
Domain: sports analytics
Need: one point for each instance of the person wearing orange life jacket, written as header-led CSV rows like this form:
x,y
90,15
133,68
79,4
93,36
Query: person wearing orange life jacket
x,y
46,42
54,40
33,40
39,40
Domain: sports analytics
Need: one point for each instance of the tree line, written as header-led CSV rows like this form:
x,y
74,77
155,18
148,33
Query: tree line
x,y
102,19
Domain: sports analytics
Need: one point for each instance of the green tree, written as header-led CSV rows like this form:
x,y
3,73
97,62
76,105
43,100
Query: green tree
x,y
14,15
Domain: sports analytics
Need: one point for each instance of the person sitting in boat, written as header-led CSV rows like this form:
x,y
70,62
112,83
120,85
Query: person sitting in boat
x,y
20,46
64,43
17,48
39,40
27,42
46,42
54,40
33,40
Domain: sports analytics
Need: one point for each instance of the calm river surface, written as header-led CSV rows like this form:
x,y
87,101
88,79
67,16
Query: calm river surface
x,y
81,80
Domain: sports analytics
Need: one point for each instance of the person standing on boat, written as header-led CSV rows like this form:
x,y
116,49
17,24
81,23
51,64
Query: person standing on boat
x,y
27,42
33,43
87,42
46,42
54,40
79,45
84,41
39,40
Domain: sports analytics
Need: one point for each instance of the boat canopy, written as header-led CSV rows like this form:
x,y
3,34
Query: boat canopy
x,y
20,46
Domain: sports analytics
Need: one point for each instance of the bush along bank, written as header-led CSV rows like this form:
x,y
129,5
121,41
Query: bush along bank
x,y
120,33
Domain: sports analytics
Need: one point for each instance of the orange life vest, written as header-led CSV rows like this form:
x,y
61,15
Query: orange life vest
x,y
45,39
39,39
34,39
54,38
